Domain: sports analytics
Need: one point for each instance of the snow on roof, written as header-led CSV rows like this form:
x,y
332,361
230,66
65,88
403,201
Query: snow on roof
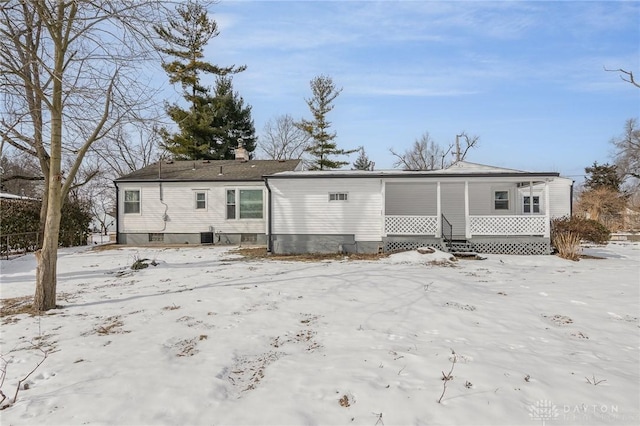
x,y
8,196
460,168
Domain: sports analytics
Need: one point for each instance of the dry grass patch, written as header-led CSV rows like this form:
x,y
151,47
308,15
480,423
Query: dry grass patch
x,y
15,306
261,253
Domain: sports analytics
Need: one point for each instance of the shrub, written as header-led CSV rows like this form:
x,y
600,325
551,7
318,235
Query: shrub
x,y
23,217
585,229
568,245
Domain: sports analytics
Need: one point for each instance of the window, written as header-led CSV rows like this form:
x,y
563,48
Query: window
x,y
245,204
201,200
231,203
250,204
338,196
132,201
156,237
527,204
501,200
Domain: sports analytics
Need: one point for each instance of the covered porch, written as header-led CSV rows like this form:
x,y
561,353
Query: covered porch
x,y
481,225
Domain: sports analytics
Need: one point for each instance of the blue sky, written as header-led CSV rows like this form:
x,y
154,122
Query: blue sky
x,y
527,77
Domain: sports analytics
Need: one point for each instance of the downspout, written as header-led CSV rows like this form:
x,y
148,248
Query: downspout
x,y
571,199
269,210
117,213
166,208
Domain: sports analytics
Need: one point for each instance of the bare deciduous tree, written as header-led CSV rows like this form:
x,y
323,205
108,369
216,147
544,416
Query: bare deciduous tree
x,y
469,142
627,150
125,150
426,154
282,139
71,72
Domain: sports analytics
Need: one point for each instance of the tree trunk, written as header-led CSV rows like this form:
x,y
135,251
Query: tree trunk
x,y
47,257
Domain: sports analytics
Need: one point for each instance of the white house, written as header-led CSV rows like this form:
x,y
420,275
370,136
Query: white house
x,y
196,202
465,207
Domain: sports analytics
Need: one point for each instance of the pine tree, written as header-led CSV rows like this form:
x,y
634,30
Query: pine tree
x,y
322,146
362,162
186,36
232,123
602,175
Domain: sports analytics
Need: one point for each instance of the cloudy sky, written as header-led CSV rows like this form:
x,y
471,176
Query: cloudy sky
x,y
527,77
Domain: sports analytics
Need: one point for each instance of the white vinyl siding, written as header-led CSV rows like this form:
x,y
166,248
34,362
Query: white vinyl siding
x,y
176,200
453,206
300,207
411,198
559,197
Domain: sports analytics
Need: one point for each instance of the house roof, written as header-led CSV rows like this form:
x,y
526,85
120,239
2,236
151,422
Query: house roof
x,y
205,171
468,167
459,169
9,196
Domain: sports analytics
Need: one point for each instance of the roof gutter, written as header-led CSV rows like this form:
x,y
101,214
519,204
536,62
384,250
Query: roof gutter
x,y
526,175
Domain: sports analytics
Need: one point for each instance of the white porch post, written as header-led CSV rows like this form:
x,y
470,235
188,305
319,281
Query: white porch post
x,y
438,211
547,215
383,195
530,197
467,225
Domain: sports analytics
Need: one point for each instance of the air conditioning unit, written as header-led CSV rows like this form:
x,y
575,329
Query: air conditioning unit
x,y
206,238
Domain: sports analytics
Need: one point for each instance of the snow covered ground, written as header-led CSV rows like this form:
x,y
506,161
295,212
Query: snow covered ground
x,y
206,337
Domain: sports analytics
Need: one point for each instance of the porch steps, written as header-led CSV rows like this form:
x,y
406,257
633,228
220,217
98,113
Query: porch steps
x,y
463,249
459,246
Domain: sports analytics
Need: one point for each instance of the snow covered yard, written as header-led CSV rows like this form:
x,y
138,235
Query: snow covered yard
x,y
207,337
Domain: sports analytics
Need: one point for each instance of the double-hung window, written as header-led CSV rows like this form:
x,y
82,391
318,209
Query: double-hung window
x,y
132,201
501,200
201,200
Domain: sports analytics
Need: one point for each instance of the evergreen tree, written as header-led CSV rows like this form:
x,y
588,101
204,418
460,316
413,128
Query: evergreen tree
x,y
602,175
232,123
186,36
322,146
362,162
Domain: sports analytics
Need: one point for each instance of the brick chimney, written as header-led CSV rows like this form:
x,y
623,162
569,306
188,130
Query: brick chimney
x,y
241,153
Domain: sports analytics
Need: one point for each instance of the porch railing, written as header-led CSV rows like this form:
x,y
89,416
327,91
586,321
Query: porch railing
x,y
447,230
478,225
508,225
411,225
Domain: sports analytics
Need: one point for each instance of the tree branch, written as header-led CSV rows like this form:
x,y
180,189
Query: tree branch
x,y
629,74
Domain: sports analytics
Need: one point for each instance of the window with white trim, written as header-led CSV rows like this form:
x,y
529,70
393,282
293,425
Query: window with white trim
x,y
201,200
132,201
501,200
527,204
231,203
338,196
245,204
